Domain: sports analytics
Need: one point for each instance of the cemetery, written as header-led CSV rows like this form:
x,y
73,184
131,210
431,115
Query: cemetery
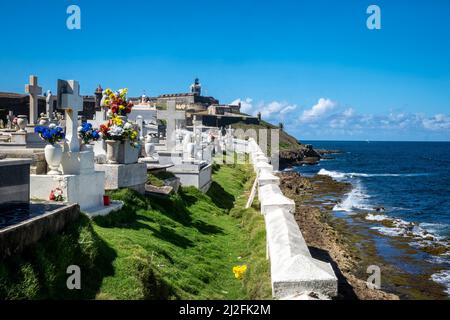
x,y
145,195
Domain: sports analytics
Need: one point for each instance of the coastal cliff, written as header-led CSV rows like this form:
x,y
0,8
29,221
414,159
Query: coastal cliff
x,y
292,152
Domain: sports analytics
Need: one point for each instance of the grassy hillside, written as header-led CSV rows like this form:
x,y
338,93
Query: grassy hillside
x,y
183,247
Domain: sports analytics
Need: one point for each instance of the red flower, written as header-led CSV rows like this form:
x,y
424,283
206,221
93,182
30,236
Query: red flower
x,y
104,129
114,109
52,196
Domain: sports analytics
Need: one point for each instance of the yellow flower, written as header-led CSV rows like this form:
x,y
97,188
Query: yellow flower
x,y
107,102
117,121
239,271
121,107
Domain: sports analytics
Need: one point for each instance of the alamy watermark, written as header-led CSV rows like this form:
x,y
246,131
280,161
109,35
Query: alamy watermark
x,y
74,280
374,20
73,21
374,280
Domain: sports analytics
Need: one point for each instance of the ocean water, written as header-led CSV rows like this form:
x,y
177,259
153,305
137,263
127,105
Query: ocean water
x,y
404,183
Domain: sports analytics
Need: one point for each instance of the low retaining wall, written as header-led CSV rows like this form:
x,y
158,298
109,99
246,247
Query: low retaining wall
x,y
15,238
294,272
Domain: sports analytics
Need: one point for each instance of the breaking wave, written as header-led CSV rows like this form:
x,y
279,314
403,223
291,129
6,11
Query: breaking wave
x,y
342,175
443,278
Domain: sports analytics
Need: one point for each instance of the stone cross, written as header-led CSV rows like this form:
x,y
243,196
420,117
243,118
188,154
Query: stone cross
x,y
50,99
171,115
70,100
34,91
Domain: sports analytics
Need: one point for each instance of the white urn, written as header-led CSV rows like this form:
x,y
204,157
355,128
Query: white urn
x,y
53,156
22,122
190,150
149,149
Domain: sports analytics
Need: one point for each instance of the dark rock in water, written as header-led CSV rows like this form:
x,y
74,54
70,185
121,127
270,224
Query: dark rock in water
x,y
323,151
306,155
380,209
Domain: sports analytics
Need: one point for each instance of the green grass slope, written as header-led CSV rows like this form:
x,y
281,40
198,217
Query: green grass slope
x,y
183,247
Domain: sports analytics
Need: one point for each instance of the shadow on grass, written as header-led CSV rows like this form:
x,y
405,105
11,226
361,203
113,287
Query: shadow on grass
x,y
133,216
220,197
40,271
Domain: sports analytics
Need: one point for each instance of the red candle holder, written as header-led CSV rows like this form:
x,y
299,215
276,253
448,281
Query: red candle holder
x,y
106,200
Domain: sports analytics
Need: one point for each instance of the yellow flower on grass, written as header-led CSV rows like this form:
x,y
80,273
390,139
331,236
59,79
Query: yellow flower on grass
x,y
239,271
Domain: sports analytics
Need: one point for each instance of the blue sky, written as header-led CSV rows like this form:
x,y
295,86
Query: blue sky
x,y
310,64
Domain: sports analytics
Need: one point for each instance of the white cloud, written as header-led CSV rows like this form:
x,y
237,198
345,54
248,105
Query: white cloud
x,y
322,107
246,105
273,111
327,118
438,122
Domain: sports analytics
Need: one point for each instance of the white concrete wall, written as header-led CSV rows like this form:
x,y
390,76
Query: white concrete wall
x,y
294,272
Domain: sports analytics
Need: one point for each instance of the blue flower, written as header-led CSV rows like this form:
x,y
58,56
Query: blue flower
x,y
39,129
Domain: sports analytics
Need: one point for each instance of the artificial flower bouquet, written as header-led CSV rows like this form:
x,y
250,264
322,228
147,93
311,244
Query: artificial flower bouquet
x,y
52,134
57,195
120,130
116,102
87,133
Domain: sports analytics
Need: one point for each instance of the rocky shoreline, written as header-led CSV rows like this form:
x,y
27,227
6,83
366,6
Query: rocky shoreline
x,y
331,239
305,155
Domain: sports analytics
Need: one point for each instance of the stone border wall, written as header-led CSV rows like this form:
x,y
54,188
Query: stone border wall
x,y
295,274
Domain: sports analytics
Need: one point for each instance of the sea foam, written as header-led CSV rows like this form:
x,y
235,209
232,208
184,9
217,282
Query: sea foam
x,y
443,278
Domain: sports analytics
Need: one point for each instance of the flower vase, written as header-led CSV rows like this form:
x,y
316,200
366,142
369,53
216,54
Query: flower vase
x,y
87,147
112,151
53,156
22,123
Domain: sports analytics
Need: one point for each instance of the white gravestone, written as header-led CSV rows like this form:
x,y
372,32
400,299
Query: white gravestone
x,y
171,115
69,99
34,91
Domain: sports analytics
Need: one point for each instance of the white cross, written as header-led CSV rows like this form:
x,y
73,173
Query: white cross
x,y
71,101
171,115
34,91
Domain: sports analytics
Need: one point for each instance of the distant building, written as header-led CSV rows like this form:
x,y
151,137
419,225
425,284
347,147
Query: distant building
x,y
223,109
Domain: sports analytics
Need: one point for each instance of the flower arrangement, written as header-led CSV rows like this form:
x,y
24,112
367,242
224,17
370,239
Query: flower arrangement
x,y
239,271
87,134
116,102
52,134
120,130
56,195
